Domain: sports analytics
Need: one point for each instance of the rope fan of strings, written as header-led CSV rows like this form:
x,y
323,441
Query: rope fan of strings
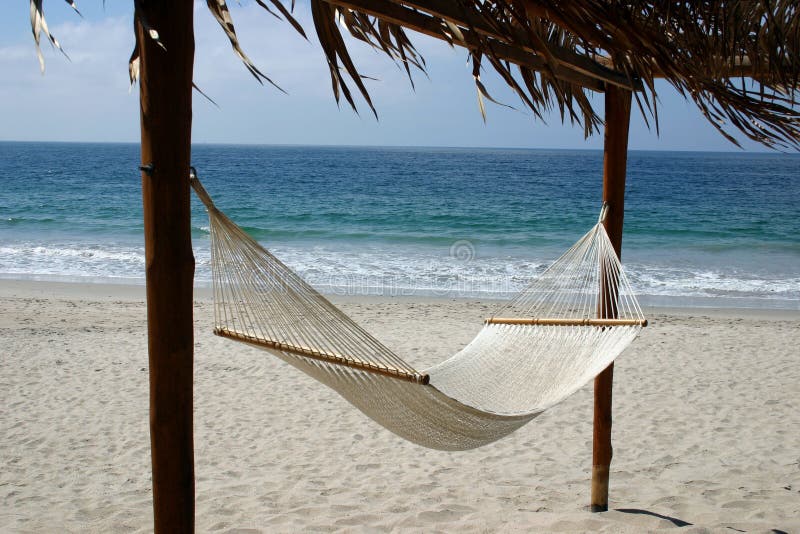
x,y
560,332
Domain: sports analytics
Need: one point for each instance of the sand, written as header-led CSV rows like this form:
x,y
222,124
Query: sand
x,y
706,429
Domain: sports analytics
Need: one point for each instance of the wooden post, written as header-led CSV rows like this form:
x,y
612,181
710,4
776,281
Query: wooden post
x,y
615,159
166,122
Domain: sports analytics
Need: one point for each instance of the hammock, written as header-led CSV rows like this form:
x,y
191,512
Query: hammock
x,y
539,348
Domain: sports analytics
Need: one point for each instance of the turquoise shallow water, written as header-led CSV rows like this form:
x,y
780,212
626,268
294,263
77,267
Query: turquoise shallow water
x,y
715,229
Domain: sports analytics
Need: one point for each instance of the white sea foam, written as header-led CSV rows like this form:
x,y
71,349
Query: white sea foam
x,y
72,260
702,282
399,272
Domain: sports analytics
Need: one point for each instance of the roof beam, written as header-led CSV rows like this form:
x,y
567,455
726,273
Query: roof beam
x,y
737,67
518,37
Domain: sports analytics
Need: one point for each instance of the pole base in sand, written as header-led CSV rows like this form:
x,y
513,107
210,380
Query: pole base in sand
x,y
599,488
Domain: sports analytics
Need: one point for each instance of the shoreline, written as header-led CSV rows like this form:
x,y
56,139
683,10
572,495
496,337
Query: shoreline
x,y
101,291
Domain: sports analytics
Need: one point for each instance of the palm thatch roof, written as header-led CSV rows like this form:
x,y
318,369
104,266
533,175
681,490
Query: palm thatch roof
x,y
739,61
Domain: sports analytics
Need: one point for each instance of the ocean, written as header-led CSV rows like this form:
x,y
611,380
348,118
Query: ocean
x,y
701,229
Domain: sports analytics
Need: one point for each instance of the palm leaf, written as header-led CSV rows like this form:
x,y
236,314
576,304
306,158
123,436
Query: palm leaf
x,y
220,11
39,27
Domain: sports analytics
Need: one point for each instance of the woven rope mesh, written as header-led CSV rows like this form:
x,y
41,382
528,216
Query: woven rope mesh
x,y
524,369
505,377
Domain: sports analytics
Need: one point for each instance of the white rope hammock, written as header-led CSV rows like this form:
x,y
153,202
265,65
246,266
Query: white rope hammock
x,y
559,333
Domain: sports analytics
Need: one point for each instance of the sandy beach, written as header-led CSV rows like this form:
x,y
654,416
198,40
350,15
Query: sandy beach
x,y
705,432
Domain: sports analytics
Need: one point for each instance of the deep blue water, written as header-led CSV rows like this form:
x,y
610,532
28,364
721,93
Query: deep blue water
x,y
698,226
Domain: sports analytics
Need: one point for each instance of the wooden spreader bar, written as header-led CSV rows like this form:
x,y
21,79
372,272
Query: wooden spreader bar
x,y
328,357
566,322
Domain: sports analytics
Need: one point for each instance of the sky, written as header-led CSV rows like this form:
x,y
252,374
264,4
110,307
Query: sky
x,y
88,97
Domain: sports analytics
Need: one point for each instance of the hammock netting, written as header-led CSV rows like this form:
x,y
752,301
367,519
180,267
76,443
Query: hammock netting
x,y
555,336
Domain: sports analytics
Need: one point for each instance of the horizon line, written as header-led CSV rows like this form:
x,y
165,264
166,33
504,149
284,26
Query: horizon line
x,y
733,150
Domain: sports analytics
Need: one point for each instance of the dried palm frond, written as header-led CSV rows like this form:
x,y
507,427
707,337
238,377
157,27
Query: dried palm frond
x,y
220,11
140,18
39,26
379,34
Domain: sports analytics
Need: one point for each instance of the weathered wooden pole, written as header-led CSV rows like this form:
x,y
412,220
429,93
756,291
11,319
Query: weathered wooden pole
x,y
615,159
166,123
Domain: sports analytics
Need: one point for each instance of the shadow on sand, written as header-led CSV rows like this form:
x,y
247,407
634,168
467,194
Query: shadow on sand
x,y
674,520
